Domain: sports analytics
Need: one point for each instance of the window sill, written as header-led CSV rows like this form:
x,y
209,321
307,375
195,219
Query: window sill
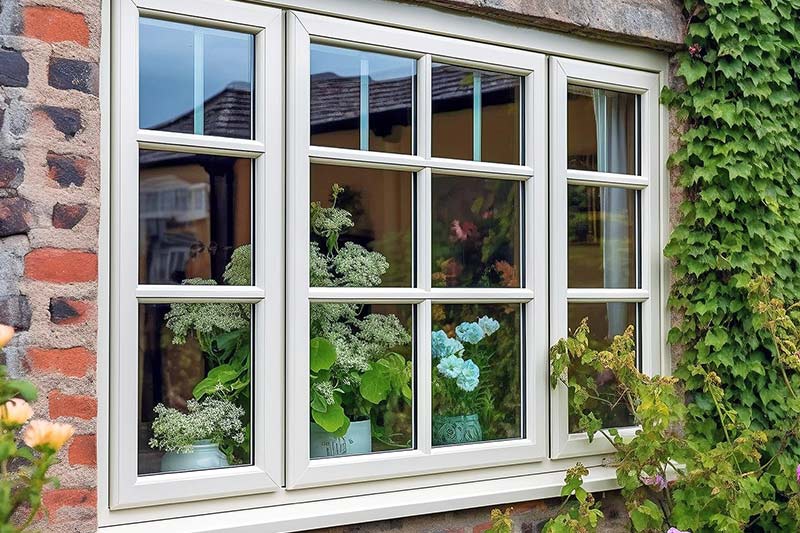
x,y
359,509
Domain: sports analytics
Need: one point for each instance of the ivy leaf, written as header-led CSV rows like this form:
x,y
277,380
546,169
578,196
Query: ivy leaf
x,y
323,354
692,70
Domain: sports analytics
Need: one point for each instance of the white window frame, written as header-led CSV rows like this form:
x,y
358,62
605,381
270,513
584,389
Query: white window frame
x,y
128,489
562,72
303,29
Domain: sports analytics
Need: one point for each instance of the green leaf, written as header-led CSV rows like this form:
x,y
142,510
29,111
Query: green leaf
x,y
332,419
692,70
323,354
25,389
375,384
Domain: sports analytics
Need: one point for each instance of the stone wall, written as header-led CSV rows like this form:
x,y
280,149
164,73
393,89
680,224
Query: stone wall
x,y
49,217
49,213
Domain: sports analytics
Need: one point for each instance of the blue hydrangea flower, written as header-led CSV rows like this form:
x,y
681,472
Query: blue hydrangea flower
x,y
438,342
469,332
468,378
450,366
488,324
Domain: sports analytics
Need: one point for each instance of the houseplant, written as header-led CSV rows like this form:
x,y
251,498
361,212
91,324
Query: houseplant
x,y
191,440
456,380
355,370
222,331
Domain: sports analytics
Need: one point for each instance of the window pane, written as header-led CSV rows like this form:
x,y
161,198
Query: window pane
x,y
606,320
194,211
476,114
194,79
361,378
602,130
372,213
362,100
602,226
476,232
194,386
476,383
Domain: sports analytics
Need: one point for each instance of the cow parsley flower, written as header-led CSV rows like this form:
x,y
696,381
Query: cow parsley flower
x,y
205,318
237,272
359,267
489,325
327,221
325,389
450,366
318,269
469,332
468,379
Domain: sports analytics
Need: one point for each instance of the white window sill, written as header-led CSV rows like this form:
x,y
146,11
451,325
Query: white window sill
x,y
359,509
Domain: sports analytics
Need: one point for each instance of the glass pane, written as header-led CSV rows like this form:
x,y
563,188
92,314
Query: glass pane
x,y
602,130
370,210
602,241
362,100
194,211
361,378
194,386
476,232
606,320
476,114
194,79
476,375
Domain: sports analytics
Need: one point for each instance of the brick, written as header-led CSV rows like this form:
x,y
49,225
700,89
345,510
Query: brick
x,y
67,121
73,74
54,500
15,311
67,216
64,311
52,25
11,171
71,406
14,215
74,362
13,69
66,170
60,266
83,450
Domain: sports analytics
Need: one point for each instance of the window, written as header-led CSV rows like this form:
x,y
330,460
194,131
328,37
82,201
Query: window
x,y
604,223
350,245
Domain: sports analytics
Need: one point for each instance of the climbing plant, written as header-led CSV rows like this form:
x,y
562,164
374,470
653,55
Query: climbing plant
x,y
739,166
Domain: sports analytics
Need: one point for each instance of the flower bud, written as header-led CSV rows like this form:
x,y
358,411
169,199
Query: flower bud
x,y
45,435
6,332
15,412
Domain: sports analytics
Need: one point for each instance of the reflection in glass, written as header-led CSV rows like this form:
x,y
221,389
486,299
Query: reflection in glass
x,y
476,375
361,378
606,320
378,204
194,386
602,130
476,232
194,211
194,79
362,100
602,244
476,114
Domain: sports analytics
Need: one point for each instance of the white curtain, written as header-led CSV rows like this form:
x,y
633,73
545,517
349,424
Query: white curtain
x,y
612,156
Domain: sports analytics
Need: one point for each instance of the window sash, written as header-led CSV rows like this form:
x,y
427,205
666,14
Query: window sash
x,y
563,71
302,472
128,489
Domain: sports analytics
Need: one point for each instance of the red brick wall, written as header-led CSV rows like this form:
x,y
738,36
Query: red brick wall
x,y
49,212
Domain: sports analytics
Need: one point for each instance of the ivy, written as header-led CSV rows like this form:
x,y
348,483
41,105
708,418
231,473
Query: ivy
x,y
739,165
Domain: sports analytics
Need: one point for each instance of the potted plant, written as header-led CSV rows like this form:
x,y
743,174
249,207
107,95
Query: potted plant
x,y
354,368
191,440
456,380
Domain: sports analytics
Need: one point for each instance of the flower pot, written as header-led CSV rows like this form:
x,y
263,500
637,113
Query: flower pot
x,y
457,429
357,440
204,455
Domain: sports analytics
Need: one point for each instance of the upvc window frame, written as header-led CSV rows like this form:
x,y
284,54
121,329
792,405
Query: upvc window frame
x,y
303,29
647,296
128,488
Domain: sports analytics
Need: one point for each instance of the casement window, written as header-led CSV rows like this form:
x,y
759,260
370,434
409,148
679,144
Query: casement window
x,y
351,244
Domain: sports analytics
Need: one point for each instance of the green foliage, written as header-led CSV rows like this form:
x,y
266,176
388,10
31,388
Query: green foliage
x,y
723,486
501,521
739,164
580,513
214,419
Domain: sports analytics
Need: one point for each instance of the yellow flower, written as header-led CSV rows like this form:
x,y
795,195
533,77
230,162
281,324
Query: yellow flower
x,y
15,412
43,434
6,332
